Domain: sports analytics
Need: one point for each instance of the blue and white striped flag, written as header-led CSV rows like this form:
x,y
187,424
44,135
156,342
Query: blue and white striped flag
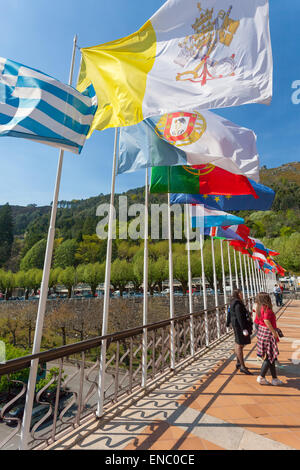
x,y
38,107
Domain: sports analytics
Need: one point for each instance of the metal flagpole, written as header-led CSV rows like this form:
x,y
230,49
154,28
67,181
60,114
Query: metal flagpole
x,y
258,276
242,277
250,278
223,273
25,427
246,277
145,300
230,270
204,291
171,286
254,276
261,280
215,287
236,271
107,284
190,279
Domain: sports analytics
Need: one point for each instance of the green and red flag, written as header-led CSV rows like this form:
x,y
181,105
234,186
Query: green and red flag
x,y
199,179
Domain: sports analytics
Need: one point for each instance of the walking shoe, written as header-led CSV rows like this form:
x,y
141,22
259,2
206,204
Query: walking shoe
x,y
262,381
277,382
245,371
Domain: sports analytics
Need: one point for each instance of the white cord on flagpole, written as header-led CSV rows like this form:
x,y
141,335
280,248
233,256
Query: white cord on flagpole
x,y
230,270
215,287
111,222
246,277
254,276
242,277
25,427
250,277
236,271
145,299
171,287
223,273
190,283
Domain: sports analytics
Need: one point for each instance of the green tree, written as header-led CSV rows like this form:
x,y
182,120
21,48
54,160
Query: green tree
x,y
6,233
7,283
121,274
34,258
91,250
67,277
65,254
93,274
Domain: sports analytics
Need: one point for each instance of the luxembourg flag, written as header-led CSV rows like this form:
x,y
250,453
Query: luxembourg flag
x,y
209,54
205,217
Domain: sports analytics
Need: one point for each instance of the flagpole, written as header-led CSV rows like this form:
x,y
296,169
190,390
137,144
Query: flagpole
x,y
204,291
250,278
236,271
190,283
223,273
102,368
261,279
25,427
246,277
215,287
171,287
230,270
255,276
242,277
145,299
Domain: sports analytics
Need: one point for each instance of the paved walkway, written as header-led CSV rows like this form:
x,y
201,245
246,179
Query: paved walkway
x,y
208,405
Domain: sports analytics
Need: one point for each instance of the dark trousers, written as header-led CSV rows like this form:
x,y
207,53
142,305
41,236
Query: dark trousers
x,y
278,300
266,365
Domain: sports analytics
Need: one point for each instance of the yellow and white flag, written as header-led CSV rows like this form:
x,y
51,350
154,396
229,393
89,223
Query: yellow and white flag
x,y
208,53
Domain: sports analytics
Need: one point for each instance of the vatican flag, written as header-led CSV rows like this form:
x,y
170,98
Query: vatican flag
x,y
208,53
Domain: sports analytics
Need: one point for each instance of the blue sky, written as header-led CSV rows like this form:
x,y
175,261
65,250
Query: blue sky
x,y
40,34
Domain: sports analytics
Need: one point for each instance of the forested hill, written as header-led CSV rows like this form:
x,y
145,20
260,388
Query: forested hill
x,y
22,227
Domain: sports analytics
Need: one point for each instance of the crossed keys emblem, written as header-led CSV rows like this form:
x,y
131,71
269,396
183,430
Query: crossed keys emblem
x,y
209,33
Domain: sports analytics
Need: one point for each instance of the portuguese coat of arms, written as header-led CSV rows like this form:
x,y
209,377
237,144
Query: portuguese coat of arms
x,y
181,128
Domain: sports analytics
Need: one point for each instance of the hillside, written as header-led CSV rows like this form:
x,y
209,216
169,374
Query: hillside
x,y
77,218
289,172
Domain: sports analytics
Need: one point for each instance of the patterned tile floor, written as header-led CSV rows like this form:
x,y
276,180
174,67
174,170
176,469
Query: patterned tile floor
x,y
209,405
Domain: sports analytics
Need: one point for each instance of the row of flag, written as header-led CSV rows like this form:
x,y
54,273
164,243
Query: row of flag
x,y
159,86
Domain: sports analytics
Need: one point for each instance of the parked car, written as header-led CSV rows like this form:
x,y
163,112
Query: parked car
x,y
17,412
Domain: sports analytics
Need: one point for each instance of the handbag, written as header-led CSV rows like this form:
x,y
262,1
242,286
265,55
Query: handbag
x,y
280,334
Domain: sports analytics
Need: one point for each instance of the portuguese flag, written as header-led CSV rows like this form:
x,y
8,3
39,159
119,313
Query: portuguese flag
x,y
199,179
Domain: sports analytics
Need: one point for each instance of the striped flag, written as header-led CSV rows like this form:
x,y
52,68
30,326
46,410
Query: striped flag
x,y
224,233
38,107
204,216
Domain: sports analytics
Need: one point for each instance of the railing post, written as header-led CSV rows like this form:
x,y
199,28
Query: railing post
x,y
145,299
192,336
215,288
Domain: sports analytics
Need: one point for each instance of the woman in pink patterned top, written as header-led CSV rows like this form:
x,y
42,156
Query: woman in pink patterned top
x,y
267,338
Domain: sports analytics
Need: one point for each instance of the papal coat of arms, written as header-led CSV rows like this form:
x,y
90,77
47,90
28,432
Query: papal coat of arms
x,y
210,29
181,128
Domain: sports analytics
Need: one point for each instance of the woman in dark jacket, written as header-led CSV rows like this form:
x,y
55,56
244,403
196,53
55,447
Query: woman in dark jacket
x,y
239,319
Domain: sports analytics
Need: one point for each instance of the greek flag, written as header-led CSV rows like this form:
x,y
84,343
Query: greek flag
x,y
38,107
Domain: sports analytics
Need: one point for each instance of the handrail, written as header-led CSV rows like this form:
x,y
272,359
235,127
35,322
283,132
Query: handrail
x,y
14,365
